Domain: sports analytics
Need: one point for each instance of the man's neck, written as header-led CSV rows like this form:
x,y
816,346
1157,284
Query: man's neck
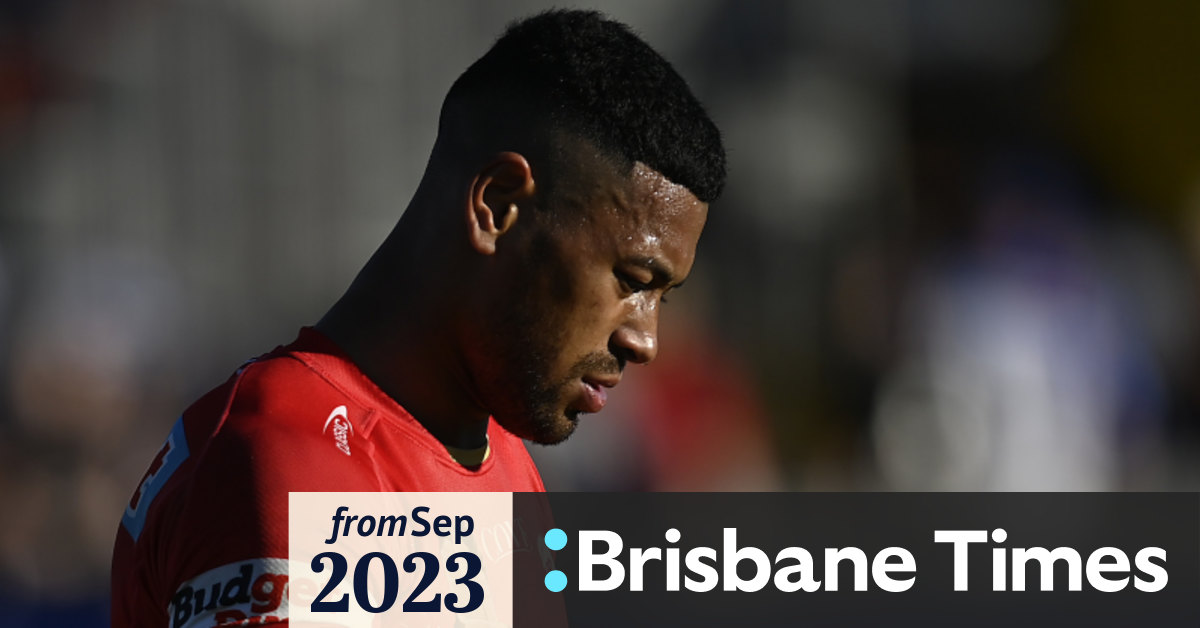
x,y
414,361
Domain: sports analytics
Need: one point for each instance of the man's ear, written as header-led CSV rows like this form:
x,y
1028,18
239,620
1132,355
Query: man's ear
x,y
501,186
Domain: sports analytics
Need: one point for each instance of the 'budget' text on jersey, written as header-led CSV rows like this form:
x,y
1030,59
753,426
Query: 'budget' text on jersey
x,y
254,590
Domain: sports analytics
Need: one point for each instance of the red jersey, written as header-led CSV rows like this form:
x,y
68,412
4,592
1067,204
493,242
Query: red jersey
x,y
204,538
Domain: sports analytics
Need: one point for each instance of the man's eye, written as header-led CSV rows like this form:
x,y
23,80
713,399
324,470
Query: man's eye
x,y
629,284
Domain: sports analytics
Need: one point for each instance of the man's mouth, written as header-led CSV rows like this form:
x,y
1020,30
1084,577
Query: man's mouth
x,y
594,393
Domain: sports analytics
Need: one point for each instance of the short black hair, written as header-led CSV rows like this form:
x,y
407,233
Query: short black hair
x,y
576,72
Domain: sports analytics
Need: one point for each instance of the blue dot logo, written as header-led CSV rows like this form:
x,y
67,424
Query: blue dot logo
x,y
556,580
556,539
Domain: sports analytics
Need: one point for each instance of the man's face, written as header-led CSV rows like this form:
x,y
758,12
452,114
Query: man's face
x,y
586,285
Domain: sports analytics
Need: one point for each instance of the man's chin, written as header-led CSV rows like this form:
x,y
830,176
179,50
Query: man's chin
x,y
544,430
557,432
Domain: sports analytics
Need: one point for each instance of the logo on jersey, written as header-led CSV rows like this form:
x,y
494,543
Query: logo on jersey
x,y
244,593
172,454
342,428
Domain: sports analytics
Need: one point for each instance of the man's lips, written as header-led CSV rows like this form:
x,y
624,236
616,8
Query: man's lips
x,y
594,393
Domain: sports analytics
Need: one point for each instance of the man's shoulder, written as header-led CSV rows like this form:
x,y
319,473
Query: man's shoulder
x,y
212,507
279,387
283,420
269,429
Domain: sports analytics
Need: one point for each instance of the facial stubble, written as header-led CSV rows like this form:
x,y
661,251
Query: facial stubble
x,y
540,406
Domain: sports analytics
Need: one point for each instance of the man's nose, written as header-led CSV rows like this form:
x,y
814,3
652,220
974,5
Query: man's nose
x,y
636,340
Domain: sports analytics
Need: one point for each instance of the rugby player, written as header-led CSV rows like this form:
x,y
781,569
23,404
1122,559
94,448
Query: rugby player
x,y
563,198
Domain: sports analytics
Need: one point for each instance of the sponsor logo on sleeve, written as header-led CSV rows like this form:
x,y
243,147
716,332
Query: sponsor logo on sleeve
x,y
341,427
244,593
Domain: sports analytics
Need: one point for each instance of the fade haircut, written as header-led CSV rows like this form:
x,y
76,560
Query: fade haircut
x,y
575,74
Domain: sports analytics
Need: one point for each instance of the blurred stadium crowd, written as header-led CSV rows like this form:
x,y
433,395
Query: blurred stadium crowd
x,y
958,249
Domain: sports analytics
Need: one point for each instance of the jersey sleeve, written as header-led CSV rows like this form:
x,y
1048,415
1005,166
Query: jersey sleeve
x,y
210,548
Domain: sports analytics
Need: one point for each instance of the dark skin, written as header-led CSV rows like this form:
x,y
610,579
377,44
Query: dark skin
x,y
483,303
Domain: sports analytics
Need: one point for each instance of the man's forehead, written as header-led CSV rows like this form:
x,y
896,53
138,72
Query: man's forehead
x,y
657,195
655,185
643,202
666,225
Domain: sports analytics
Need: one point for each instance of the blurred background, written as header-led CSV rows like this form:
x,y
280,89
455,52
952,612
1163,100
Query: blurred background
x,y
958,248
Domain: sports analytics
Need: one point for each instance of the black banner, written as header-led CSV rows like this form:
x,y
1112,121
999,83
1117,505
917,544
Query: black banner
x,y
859,559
